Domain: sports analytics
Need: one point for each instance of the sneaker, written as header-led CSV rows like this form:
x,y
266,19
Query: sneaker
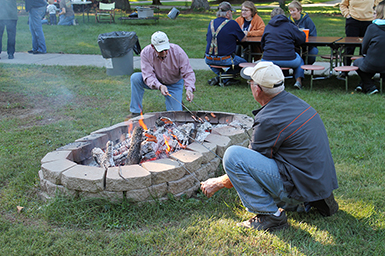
x,y
213,81
298,85
358,88
11,56
372,91
266,222
31,51
327,206
231,82
36,52
132,115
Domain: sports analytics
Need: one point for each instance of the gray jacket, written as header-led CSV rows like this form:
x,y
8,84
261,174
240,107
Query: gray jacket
x,y
8,10
290,131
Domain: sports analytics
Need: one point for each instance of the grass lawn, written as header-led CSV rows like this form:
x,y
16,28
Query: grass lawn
x,y
45,107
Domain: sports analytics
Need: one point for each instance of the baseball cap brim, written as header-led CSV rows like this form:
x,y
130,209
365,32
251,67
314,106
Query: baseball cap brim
x,y
246,72
162,47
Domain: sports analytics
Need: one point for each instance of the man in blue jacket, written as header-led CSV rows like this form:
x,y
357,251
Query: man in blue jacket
x,y
288,162
36,9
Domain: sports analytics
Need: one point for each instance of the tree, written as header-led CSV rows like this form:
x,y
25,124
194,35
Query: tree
x,y
199,4
123,5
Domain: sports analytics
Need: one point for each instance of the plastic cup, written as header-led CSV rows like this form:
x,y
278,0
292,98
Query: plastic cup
x,y
306,31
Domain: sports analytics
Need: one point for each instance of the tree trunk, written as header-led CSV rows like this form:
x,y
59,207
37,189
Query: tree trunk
x,y
282,4
156,2
124,5
200,4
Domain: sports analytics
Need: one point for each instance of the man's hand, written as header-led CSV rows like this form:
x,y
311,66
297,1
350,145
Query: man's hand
x,y
189,95
163,89
210,186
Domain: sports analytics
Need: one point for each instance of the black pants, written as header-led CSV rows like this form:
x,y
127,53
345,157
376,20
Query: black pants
x,y
354,28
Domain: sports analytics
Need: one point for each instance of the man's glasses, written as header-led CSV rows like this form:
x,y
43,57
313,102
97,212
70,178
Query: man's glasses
x,y
245,10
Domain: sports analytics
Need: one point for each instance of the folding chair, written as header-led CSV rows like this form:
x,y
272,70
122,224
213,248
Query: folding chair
x,y
106,12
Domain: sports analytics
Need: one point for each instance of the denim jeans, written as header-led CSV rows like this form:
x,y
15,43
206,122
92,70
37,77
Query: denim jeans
x,y
36,28
256,179
137,92
66,21
11,34
294,64
227,62
311,59
53,19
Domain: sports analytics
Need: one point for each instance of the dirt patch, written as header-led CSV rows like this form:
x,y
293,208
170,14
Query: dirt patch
x,y
30,111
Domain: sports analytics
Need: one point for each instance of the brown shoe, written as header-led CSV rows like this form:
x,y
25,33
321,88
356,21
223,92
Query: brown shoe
x,y
132,115
266,222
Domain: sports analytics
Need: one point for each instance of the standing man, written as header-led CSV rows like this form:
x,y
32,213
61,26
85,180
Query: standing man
x,y
165,67
222,36
36,9
66,15
289,162
8,18
359,15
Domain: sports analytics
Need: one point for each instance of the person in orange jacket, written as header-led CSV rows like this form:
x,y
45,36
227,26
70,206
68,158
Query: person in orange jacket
x,y
251,24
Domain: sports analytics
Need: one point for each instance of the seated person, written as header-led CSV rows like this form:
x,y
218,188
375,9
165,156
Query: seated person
x,y
373,46
67,15
279,41
251,24
220,49
304,21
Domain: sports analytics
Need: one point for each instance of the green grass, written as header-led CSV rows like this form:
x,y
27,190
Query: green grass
x,y
188,30
45,107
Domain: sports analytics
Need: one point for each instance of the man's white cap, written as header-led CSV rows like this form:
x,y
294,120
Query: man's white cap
x,y
160,41
265,74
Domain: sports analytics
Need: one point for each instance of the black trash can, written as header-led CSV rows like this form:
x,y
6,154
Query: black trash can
x,y
117,48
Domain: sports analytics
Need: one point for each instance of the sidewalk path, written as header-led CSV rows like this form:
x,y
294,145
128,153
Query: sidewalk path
x,y
52,59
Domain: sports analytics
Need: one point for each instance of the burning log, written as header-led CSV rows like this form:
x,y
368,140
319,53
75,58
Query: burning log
x,y
134,156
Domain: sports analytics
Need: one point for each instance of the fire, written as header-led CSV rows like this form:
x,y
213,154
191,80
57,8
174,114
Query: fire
x,y
180,144
166,143
130,128
141,123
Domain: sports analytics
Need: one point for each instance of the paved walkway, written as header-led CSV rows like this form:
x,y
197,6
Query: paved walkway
x,y
53,59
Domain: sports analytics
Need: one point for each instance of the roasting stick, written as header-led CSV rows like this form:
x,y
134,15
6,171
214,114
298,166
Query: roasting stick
x,y
200,119
176,128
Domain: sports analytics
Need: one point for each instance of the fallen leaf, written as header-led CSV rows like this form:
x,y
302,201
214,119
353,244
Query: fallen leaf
x,y
19,209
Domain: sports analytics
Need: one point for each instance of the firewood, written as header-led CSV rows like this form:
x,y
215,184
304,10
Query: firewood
x,y
134,156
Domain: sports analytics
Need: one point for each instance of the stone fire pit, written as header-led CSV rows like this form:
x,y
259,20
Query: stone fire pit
x,y
67,169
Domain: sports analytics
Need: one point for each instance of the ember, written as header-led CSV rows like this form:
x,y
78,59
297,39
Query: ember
x,y
150,144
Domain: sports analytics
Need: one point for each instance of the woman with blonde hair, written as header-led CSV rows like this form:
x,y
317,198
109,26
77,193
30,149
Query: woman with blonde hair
x,y
373,46
303,21
251,23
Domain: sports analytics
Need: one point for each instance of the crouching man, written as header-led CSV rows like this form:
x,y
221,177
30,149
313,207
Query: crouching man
x,y
289,163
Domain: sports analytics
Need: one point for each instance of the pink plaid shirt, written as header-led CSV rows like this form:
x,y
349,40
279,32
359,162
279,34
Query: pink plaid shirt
x,y
170,70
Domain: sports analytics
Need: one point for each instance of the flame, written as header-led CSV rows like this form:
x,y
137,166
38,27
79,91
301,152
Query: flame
x,y
141,123
168,149
180,144
130,128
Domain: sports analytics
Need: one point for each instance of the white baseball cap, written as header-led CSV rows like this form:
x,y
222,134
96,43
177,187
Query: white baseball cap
x,y
265,74
160,41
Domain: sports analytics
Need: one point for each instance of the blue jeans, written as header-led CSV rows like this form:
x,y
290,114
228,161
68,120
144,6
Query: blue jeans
x,y
137,92
53,19
66,21
227,62
311,59
36,28
256,179
11,34
294,64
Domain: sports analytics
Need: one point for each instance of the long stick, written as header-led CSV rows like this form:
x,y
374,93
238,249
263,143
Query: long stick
x,y
200,119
